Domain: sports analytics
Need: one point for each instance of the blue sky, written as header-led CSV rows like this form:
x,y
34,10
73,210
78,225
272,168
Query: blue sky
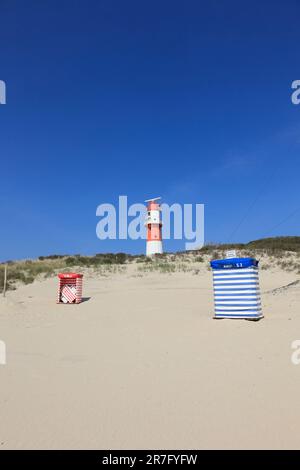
x,y
187,100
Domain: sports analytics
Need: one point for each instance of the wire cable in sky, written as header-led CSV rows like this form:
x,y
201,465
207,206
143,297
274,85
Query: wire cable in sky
x,y
282,222
253,203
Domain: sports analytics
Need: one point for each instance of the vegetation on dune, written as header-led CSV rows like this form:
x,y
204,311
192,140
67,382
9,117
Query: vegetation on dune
x,y
270,245
277,243
280,252
98,259
27,271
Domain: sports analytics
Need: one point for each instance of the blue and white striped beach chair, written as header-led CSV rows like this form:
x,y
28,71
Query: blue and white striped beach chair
x,y
236,288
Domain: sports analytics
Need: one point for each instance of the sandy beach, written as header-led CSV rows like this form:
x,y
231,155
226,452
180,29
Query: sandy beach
x,y
142,364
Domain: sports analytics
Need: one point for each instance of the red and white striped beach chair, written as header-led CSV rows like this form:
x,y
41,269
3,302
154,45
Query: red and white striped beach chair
x,y
69,288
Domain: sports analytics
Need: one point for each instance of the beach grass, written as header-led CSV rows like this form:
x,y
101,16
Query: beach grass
x,y
282,252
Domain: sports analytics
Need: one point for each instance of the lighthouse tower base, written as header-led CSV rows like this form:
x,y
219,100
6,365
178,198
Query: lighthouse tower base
x,y
154,247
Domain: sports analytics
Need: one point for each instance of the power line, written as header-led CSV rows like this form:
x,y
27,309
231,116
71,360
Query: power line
x,y
252,204
244,217
282,222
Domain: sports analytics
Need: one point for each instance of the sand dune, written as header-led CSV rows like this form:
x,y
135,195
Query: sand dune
x,y
142,364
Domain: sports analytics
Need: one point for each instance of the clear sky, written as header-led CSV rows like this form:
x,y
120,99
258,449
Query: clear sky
x,y
190,100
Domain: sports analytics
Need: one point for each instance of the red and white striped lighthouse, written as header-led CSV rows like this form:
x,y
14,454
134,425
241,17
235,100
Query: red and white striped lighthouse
x,y
154,226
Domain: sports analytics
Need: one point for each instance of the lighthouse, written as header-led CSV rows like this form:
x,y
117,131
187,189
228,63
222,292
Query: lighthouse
x,y
154,225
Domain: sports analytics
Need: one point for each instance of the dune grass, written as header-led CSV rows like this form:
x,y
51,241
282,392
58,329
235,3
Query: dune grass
x,y
279,252
27,271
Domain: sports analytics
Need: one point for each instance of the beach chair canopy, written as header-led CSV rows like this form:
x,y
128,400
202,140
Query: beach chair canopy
x,y
234,263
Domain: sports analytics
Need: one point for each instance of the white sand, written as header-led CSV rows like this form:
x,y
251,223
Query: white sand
x,y
142,364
